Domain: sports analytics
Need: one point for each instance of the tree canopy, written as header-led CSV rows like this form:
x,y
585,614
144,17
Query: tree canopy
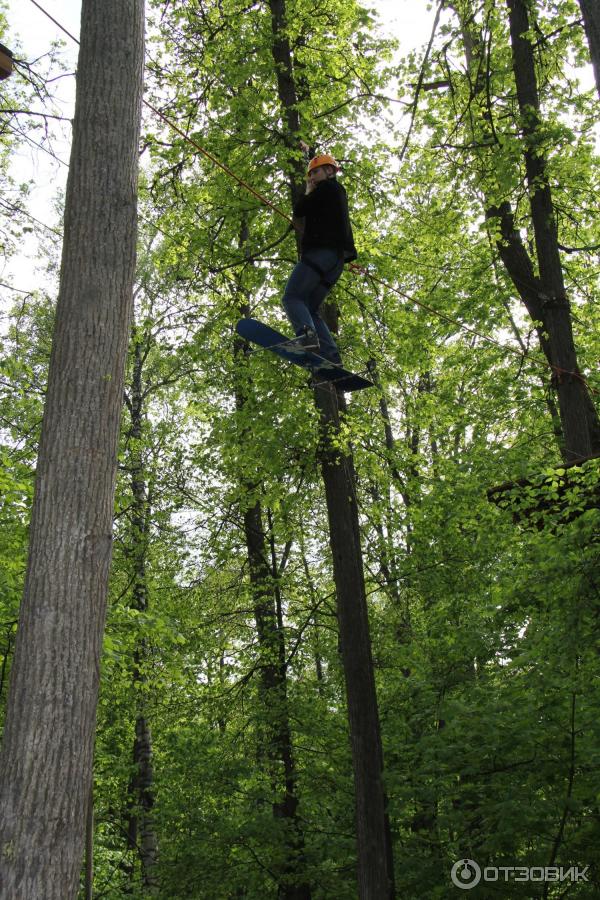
x,y
226,748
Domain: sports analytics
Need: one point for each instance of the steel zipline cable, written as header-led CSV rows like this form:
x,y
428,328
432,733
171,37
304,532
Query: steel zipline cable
x,y
354,267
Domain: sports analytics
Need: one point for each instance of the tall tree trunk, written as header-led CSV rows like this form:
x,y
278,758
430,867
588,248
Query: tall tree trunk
x,y
375,860
542,293
277,748
141,832
287,91
557,314
591,21
147,841
46,763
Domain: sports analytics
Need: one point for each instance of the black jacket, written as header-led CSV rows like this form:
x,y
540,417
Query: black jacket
x,y
327,219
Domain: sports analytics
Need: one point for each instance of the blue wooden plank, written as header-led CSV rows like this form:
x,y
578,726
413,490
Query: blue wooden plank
x,y
264,336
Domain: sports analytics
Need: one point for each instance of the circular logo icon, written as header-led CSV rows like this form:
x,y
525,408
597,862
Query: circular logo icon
x,y
466,874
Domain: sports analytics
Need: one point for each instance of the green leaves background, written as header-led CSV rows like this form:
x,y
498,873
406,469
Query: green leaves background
x,y
485,633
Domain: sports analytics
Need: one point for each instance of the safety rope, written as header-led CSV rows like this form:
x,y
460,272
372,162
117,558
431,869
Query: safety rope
x,y
467,328
58,25
440,315
186,137
559,372
218,163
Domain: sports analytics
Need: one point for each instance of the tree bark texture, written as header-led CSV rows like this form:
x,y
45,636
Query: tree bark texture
x,y
591,20
375,861
46,763
570,386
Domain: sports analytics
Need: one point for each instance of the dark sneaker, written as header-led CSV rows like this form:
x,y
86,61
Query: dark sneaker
x,y
309,339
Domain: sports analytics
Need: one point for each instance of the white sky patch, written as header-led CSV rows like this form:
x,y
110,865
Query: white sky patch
x,y
30,36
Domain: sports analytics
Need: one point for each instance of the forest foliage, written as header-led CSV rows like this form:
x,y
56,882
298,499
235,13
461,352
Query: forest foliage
x,y
484,621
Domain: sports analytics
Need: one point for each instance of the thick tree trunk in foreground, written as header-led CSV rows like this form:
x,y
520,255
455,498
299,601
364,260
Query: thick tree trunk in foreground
x,y
46,763
375,862
591,21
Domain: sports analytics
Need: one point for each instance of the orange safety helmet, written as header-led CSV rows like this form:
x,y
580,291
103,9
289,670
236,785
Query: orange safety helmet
x,y
324,160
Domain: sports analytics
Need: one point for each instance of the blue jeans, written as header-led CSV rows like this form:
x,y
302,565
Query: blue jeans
x,y
305,291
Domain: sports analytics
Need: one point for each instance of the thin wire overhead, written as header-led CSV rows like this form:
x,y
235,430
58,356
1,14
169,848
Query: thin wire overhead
x,y
353,266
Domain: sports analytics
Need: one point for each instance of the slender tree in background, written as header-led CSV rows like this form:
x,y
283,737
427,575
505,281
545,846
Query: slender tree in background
x,y
141,835
591,21
375,857
48,742
538,277
275,750
578,416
